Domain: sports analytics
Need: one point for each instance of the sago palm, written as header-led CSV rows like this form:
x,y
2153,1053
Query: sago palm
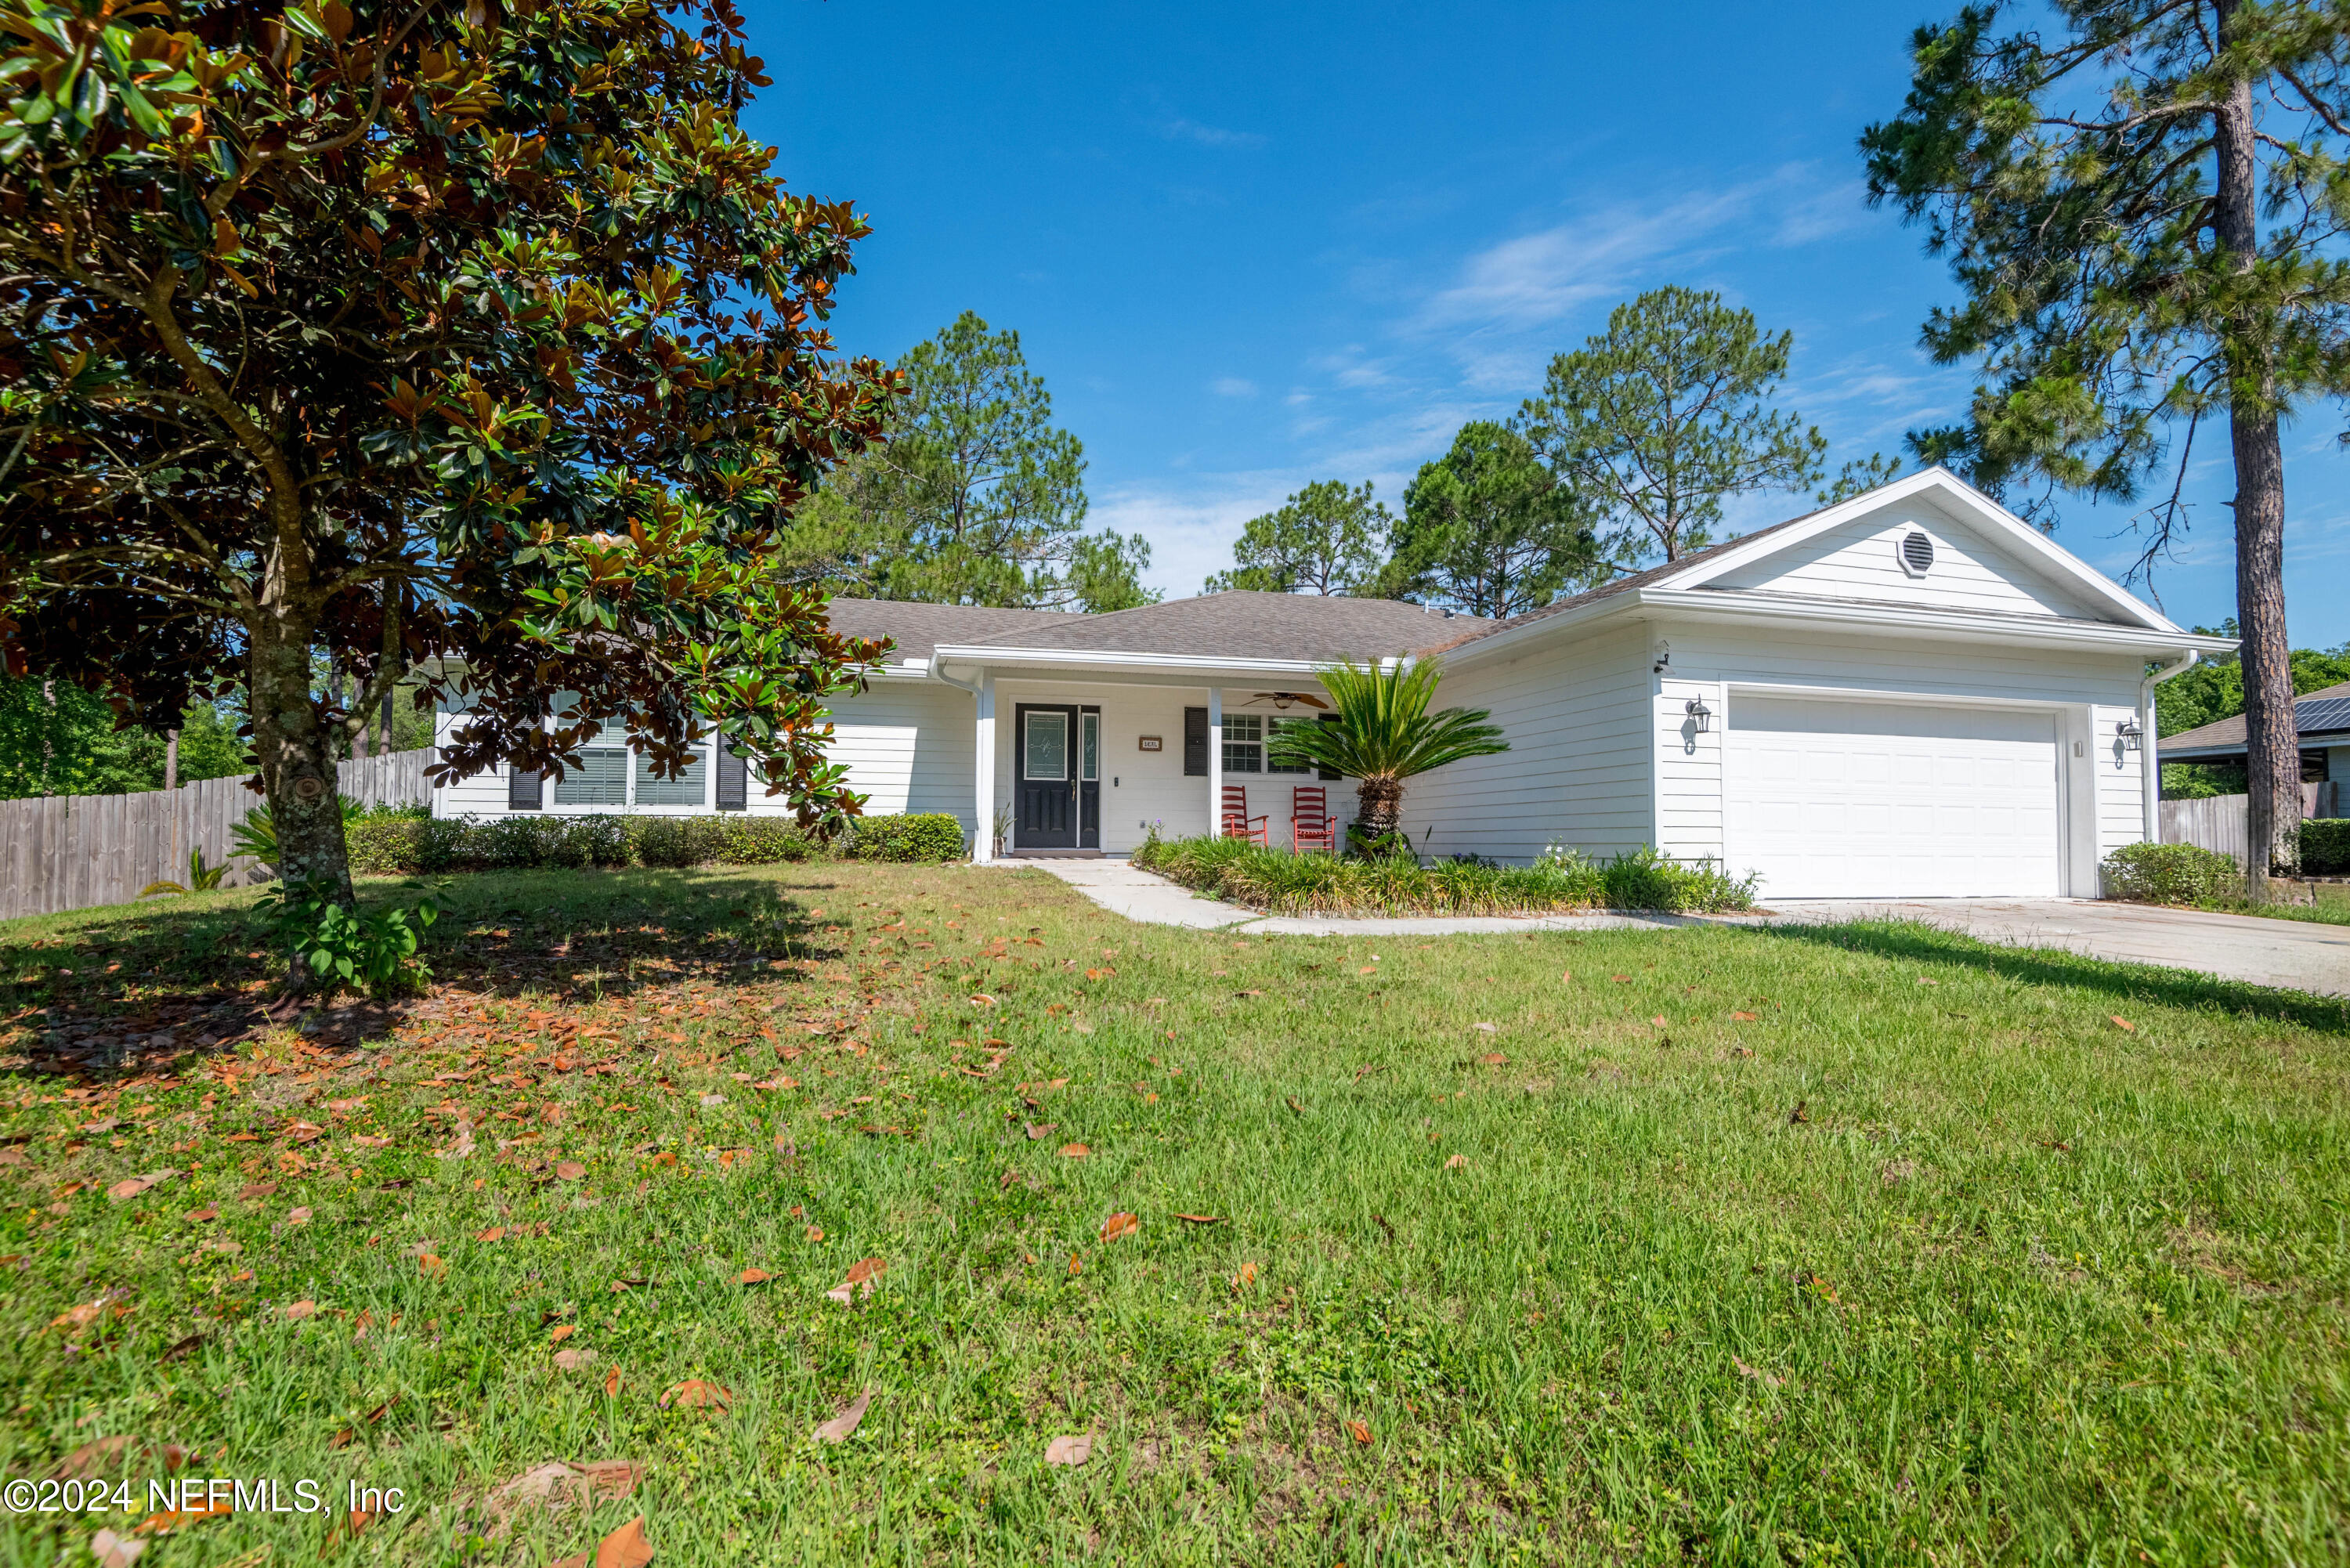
x,y
1382,733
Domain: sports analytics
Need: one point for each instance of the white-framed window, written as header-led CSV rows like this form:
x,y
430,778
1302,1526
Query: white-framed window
x,y
1246,743
612,777
602,777
690,787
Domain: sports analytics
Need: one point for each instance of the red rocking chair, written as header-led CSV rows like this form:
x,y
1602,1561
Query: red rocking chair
x,y
1239,824
1310,823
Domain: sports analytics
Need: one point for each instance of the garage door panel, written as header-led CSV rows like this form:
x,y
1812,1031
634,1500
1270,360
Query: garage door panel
x,y
1841,799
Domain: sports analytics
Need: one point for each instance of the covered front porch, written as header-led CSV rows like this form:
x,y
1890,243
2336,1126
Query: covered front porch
x,y
1075,758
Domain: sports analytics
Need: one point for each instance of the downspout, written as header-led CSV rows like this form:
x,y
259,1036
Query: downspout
x,y
2150,765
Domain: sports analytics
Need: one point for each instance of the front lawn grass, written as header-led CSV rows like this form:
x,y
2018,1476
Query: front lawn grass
x,y
1864,1244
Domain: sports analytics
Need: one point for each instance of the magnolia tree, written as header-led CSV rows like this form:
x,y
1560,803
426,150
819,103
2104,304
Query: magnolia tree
x,y
477,341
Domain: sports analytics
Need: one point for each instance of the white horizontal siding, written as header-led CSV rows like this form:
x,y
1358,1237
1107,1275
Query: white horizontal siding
x,y
909,746
1858,560
1578,769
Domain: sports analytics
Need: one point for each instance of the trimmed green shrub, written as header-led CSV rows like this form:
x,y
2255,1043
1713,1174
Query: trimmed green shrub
x,y
404,845
917,836
2170,874
2324,848
1314,884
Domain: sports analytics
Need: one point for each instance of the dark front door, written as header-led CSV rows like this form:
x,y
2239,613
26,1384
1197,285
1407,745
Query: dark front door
x,y
1056,776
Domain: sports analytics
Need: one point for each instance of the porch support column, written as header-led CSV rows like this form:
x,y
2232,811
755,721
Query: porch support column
x,y
983,794
1216,762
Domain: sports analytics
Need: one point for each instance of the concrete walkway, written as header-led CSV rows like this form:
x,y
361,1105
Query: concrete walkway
x,y
2298,955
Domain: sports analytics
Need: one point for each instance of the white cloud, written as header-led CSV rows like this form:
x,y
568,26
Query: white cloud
x,y
1180,129
1232,386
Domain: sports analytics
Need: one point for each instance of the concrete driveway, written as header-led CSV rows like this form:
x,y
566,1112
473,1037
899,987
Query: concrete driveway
x,y
2300,955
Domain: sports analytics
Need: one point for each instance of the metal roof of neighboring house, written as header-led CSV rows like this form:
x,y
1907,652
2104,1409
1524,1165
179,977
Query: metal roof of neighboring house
x,y
1304,626
2323,714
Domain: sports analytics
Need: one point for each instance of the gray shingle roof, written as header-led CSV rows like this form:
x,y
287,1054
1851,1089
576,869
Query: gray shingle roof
x,y
2325,712
1239,624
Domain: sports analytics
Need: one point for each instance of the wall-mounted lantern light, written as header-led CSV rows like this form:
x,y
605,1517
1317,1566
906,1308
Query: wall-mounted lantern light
x,y
2133,738
1700,716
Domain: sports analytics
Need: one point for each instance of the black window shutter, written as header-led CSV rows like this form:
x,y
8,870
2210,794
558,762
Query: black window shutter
x,y
734,780
525,791
1327,718
1195,742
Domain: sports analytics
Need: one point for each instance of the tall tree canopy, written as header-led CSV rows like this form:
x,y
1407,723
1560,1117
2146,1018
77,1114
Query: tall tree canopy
x,y
416,332
1488,529
977,498
2144,205
1327,539
1657,422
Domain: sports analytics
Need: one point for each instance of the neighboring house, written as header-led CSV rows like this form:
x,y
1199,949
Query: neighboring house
x,y
2322,718
1912,693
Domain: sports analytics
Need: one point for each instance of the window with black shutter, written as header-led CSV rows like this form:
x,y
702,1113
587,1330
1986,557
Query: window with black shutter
x,y
525,791
1195,742
734,780
1328,773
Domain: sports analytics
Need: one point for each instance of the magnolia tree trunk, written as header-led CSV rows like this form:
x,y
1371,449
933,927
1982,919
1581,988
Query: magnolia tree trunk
x,y
2272,748
297,768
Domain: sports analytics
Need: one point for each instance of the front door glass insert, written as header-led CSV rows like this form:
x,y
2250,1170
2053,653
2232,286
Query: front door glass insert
x,y
1048,747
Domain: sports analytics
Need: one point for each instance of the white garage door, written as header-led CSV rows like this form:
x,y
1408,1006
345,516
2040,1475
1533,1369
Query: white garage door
x,y
1867,800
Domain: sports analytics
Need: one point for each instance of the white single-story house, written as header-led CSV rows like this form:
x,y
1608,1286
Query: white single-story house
x,y
1913,694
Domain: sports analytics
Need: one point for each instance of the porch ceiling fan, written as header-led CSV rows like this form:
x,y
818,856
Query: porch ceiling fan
x,y
1284,699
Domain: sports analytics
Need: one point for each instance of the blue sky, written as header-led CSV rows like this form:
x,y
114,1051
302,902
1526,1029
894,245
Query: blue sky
x,y
1251,247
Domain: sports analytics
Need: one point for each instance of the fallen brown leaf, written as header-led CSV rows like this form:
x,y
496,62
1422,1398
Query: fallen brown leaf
x,y
694,1394
612,1383
1756,1373
753,1277
1075,1150
1246,1277
1200,1219
1802,1113
841,1426
1074,1451
90,1460
1359,1432
625,1547
431,1266
1495,1059
1076,1265
299,1309
204,1215
1456,1162
1119,1224
570,1169
573,1360
866,1269
1745,1018
562,1333
2123,1023
114,1551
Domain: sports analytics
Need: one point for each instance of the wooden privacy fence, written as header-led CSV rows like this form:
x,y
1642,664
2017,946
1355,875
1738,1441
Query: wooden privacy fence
x,y
71,852
2218,822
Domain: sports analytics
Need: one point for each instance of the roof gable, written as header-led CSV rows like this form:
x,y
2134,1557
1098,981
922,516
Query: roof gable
x,y
1985,558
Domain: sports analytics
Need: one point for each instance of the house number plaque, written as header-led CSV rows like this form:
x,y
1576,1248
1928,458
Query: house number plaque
x,y
1153,743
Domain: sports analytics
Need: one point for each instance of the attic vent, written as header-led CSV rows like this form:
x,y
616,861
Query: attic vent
x,y
1917,553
